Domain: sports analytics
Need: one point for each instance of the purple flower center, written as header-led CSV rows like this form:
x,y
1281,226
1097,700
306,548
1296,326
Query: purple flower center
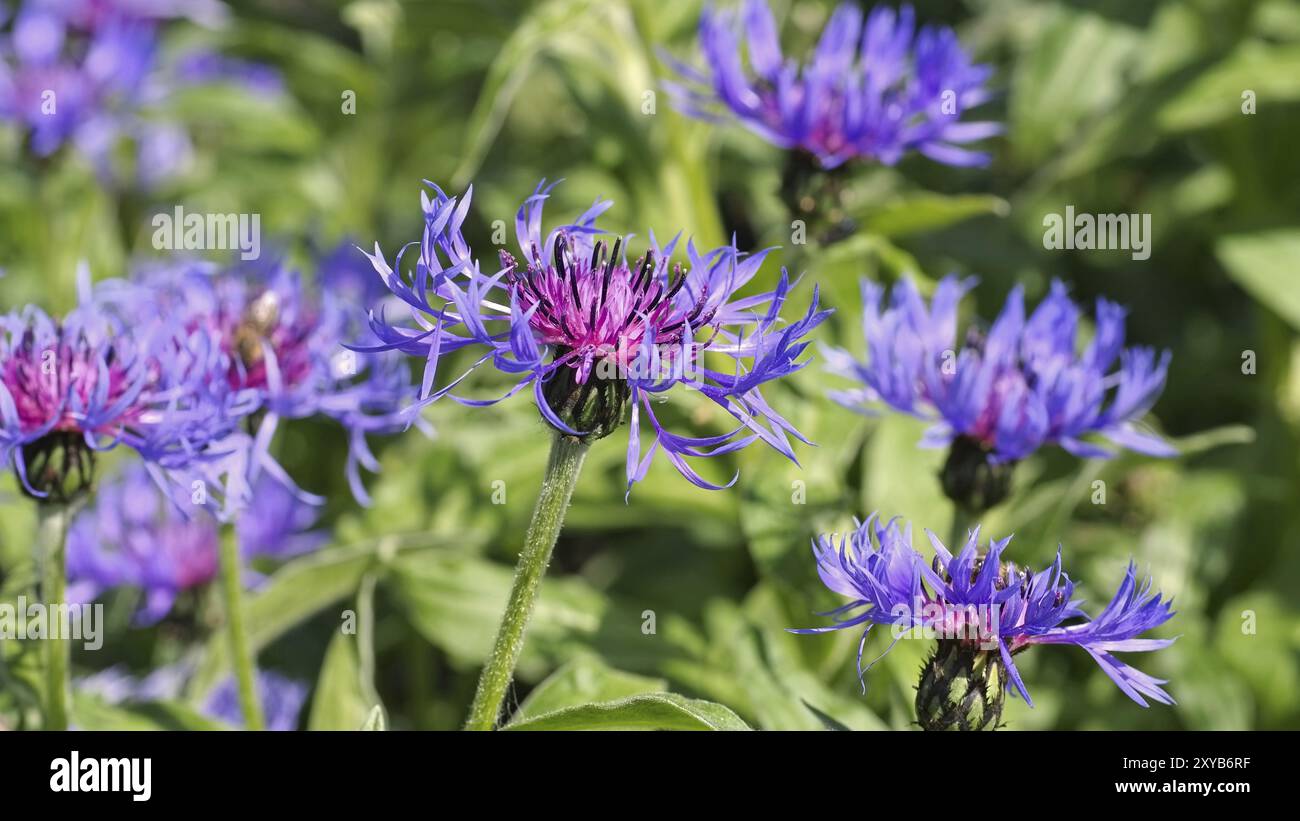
x,y
246,337
61,381
602,309
193,548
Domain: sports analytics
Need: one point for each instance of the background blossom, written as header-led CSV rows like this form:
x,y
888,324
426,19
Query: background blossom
x,y
1021,386
873,89
283,344
140,536
94,380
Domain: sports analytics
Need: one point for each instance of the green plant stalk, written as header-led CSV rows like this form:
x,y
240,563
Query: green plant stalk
x,y
241,654
562,469
52,534
961,522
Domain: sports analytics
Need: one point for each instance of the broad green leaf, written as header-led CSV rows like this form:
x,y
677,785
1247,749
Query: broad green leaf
x,y
376,720
902,479
297,591
456,601
1260,637
919,213
828,721
784,505
1266,264
535,33
91,713
1271,71
754,665
583,681
249,121
340,702
654,711
1073,68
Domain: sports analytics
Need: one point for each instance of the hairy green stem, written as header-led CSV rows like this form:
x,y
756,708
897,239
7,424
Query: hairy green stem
x,y
240,653
52,532
562,472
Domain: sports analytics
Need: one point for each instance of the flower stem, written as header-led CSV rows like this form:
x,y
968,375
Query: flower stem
x,y
961,523
240,653
53,519
562,472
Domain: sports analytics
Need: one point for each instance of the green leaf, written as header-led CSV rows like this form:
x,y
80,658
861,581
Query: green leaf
x,y
654,711
828,721
902,479
455,601
930,212
754,665
582,681
535,33
1259,635
297,591
1265,264
1271,71
376,720
340,702
249,120
91,713
1073,69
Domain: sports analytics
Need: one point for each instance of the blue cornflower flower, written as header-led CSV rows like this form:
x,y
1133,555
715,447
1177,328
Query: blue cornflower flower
x,y
283,344
160,542
95,380
1003,395
90,74
591,331
873,91
983,608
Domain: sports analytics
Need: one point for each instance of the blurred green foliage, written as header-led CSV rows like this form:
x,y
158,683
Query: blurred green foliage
x,y
1112,107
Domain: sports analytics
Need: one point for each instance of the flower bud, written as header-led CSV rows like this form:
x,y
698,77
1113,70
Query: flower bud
x,y
972,479
593,408
59,465
963,687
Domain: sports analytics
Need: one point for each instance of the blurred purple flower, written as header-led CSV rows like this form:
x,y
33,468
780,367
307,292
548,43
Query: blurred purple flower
x,y
281,698
347,274
136,536
88,74
284,344
212,67
64,86
1013,390
978,596
590,330
95,380
872,91
89,14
